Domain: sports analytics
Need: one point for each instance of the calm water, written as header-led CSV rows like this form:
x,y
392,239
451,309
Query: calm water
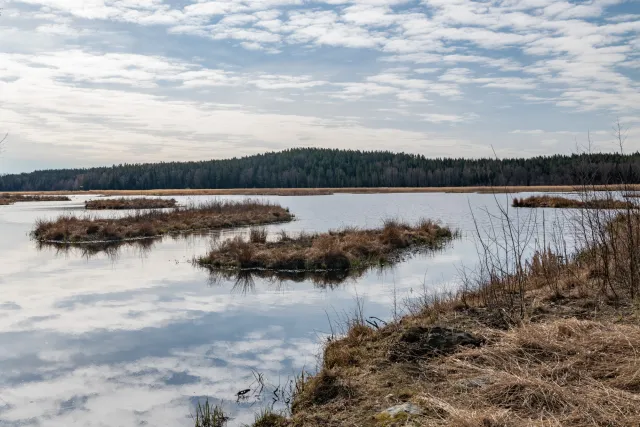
x,y
139,337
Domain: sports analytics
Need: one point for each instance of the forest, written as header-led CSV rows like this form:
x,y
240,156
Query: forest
x,y
316,168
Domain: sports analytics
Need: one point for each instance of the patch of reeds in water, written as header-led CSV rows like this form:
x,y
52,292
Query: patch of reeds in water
x,y
9,199
71,229
132,203
345,249
566,203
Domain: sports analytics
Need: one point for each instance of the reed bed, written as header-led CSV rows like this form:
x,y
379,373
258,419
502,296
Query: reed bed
x,y
146,224
566,203
133,203
8,199
336,250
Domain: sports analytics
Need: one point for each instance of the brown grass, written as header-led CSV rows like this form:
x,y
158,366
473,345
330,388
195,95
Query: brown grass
x,y
565,203
134,203
571,360
181,220
10,198
336,250
349,190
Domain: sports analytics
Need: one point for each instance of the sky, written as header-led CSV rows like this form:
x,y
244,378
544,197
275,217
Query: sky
x,y
99,82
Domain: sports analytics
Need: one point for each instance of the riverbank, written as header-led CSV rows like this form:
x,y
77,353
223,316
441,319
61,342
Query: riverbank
x,y
70,229
329,191
571,360
543,341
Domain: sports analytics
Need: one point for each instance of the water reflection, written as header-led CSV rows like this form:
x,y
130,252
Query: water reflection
x,y
244,280
139,336
140,246
88,250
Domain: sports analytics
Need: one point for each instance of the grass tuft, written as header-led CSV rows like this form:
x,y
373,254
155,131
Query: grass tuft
x,y
258,235
210,416
269,418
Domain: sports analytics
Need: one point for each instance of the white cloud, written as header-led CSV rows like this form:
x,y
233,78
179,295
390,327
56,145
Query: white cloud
x,y
447,118
575,59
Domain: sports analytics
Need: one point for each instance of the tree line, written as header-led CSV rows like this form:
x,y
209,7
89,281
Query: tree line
x,y
314,167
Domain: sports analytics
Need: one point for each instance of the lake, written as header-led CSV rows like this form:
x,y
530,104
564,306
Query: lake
x,y
139,336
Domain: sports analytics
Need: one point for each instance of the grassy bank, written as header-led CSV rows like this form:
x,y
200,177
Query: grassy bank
x,y
336,250
181,220
565,203
133,203
347,190
549,341
10,198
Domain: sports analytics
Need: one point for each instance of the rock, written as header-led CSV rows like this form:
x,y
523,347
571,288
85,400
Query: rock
x,y
419,342
406,408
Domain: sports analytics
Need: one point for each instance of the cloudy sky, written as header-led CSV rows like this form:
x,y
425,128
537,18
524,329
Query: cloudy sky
x,y
95,82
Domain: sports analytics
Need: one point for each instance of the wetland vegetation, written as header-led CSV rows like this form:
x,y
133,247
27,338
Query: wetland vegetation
x,y
130,203
345,249
72,229
557,202
537,340
9,199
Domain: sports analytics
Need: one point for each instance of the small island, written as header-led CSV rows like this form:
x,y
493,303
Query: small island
x,y
345,249
9,199
131,203
566,203
70,229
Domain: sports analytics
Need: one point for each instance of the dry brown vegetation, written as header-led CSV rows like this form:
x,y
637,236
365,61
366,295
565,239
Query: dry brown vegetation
x,y
335,250
10,198
549,341
565,203
133,203
181,220
328,191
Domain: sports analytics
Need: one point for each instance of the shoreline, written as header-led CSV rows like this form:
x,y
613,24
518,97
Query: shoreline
x,y
331,191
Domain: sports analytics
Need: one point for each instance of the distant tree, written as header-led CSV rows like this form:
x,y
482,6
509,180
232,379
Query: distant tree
x,y
316,167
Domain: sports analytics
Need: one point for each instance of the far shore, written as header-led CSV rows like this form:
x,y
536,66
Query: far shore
x,y
329,191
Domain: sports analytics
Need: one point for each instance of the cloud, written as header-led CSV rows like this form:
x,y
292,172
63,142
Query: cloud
x,y
528,132
334,58
447,118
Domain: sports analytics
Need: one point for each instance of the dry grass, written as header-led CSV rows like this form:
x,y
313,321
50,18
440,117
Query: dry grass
x,y
10,198
350,190
572,360
565,203
336,250
181,220
134,203
553,372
